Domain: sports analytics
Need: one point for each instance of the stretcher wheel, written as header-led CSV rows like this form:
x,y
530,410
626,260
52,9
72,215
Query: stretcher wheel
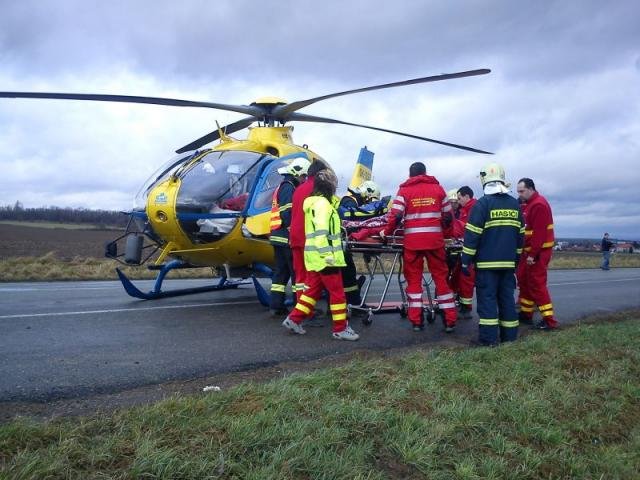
x,y
403,311
367,319
429,316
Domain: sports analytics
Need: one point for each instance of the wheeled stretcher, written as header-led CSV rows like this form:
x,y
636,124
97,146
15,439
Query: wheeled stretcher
x,y
374,251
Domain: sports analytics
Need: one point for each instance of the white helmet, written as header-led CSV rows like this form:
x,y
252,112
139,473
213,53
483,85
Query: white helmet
x,y
297,167
492,172
368,190
452,195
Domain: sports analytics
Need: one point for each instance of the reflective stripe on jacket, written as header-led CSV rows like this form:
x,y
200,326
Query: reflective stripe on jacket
x,y
322,234
538,233
422,204
494,233
280,219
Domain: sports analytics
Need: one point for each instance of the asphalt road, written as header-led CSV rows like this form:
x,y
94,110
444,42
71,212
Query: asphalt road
x,y
77,339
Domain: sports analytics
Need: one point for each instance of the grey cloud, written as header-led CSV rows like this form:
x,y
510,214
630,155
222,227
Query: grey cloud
x,y
561,105
359,39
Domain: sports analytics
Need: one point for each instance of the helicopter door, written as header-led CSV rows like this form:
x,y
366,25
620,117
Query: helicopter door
x,y
260,207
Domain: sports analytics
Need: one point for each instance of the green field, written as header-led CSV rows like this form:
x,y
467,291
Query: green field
x,y
550,406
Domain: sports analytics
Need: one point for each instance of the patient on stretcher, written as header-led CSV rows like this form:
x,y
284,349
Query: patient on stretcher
x,y
370,220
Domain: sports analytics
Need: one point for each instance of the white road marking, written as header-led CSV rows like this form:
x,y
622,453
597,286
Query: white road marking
x,y
119,310
36,289
604,280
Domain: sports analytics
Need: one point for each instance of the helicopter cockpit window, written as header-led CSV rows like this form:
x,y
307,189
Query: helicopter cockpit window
x,y
263,197
213,191
161,174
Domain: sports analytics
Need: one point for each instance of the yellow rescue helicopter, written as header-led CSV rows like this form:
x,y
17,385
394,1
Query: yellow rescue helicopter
x,y
209,207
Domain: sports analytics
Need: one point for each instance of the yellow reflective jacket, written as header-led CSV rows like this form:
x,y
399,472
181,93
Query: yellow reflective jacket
x,y
322,234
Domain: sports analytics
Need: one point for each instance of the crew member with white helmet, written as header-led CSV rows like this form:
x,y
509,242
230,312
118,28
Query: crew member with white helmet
x,y
358,206
493,241
293,173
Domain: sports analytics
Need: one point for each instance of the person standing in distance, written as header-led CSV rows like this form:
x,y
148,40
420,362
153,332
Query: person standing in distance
x,y
606,251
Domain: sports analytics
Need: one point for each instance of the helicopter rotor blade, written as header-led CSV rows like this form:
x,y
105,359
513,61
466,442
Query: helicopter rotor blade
x,y
283,111
300,117
173,102
215,135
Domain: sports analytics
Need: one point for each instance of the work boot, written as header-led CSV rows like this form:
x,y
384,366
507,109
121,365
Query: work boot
x,y
346,334
293,327
525,318
544,326
450,329
478,343
418,327
465,312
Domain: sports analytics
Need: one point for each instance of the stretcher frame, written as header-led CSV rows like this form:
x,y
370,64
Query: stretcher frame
x,y
375,251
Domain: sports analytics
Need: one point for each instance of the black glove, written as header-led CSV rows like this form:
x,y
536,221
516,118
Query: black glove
x,y
465,270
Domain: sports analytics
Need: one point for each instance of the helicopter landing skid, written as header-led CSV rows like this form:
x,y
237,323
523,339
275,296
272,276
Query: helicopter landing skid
x,y
157,292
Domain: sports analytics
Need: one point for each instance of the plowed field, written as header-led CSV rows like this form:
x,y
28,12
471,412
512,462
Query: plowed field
x,y
30,241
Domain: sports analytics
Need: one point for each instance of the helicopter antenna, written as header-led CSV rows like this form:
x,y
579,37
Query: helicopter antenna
x,y
223,133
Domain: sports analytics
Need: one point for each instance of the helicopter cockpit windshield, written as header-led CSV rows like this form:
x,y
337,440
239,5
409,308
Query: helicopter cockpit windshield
x,y
169,167
213,191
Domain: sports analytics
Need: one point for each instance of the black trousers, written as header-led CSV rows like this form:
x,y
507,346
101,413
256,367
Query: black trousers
x,y
281,276
349,280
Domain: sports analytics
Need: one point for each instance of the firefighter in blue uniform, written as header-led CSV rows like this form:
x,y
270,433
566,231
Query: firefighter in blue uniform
x,y
493,240
362,203
280,222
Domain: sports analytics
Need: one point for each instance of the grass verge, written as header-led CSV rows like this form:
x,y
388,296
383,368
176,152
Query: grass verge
x,y
561,405
49,267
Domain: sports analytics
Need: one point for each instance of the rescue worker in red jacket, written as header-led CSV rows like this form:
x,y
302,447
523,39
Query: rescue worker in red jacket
x,y
423,206
465,283
296,232
280,222
534,262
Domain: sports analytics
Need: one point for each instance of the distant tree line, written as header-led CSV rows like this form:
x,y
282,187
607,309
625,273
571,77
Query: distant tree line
x,y
100,218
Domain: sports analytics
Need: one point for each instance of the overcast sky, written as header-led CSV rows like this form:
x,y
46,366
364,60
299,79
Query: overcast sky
x,y
562,104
